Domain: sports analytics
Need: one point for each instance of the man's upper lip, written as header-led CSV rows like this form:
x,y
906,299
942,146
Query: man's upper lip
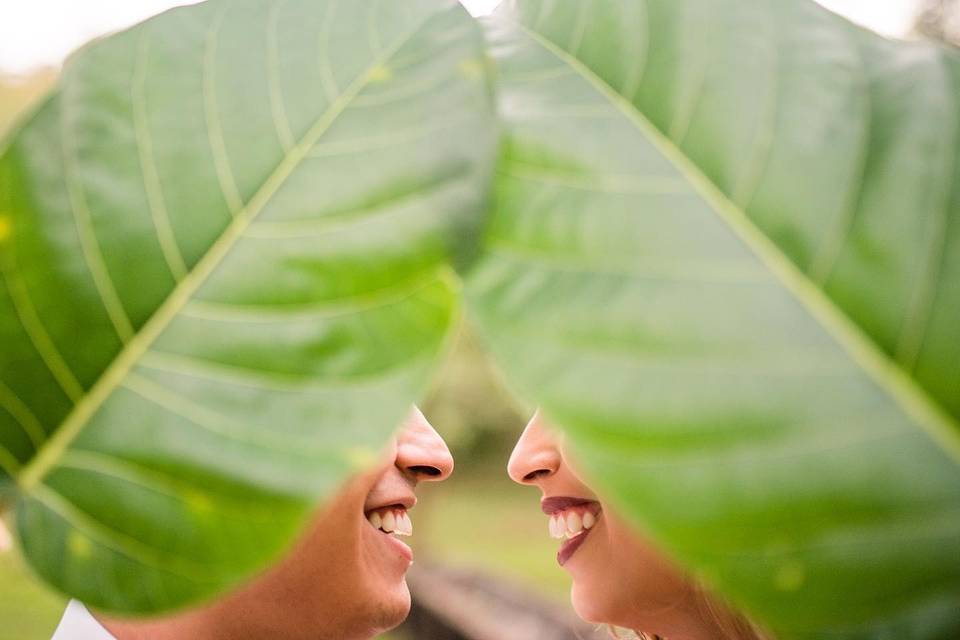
x,y
405,501
554,504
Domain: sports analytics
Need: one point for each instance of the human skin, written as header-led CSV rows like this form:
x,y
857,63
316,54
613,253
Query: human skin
x,y
619,578
343,580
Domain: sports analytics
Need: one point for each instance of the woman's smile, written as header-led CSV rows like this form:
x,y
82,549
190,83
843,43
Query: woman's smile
x,y
571,519
619,577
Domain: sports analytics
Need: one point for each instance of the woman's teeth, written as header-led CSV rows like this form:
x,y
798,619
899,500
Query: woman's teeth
x,y
395,521
570,523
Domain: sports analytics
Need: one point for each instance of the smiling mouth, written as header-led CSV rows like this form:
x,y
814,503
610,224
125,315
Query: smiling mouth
x,y
391,520
571,520
390,523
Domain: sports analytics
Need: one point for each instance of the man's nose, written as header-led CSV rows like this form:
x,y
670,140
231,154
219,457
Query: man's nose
x,y
536,455
421,452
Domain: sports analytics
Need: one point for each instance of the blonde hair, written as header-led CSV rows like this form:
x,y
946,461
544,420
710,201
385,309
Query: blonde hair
x,y
732,625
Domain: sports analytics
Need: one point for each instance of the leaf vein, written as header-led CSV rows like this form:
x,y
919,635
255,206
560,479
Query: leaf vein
x,y
228,374
115,540
335,220
278,109
89,244
546,10
579,28
39,337
425,85
373,28
211,111
151,177
634,79
23,415
9,463
167,485
219,424
395,137
327,77
681,272
610,183
920,312
828,253
685,113
746,188
327,309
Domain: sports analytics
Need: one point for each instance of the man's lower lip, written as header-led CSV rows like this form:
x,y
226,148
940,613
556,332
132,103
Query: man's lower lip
x,y
399,545
568,548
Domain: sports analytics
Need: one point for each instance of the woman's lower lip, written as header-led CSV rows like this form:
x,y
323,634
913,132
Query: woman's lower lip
x,y
569,547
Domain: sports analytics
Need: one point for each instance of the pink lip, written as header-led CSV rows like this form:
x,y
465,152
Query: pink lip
x,y
401,502
558,503
555,504
568,548
399,546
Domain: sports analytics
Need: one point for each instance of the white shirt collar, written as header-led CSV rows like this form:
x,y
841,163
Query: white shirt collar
x,y
78,624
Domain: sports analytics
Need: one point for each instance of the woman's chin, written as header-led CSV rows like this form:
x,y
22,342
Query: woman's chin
x,y
602,603
588,605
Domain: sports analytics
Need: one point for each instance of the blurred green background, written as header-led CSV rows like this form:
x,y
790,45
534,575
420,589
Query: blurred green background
x,y
477,519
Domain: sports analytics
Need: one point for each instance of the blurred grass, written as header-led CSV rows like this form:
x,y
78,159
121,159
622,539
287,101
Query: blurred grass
x,y
17,94
484,521
28,610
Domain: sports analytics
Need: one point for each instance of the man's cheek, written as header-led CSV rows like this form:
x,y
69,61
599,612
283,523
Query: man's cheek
x,y
355,490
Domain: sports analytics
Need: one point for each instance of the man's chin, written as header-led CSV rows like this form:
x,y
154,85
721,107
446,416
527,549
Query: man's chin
x,y
393,608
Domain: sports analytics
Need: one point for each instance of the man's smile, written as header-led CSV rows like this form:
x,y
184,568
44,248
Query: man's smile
x,y
391,520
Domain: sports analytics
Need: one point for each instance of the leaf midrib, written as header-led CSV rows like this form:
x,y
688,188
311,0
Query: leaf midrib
x,y
905,391
33,472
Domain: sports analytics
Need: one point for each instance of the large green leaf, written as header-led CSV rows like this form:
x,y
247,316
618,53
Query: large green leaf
x,y
725,257
225,246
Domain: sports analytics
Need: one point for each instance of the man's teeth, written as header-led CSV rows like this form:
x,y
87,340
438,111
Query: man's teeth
x,y
389,522
407,524
570,524
395,521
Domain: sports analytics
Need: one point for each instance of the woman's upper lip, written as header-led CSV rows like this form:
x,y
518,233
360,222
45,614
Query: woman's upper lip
x,y
553,504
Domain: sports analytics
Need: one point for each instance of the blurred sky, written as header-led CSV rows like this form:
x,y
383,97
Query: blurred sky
x,y
36,33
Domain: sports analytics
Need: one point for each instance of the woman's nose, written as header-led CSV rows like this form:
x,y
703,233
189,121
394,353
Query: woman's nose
x,y
536,455
421,452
